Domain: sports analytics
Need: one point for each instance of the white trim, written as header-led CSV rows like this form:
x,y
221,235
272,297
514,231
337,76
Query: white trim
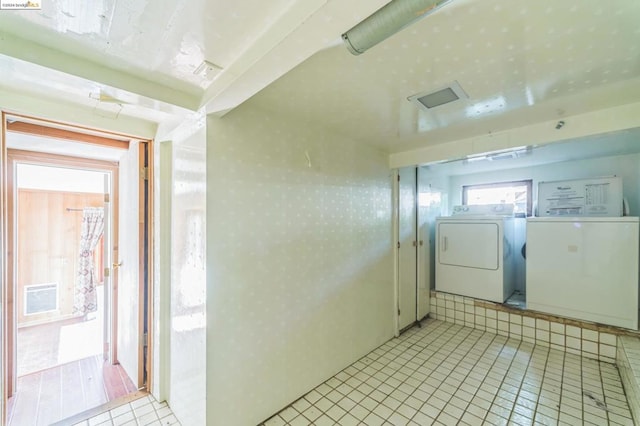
x,y
163,283
396,253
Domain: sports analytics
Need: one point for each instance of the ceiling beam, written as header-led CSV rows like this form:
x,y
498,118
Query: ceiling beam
x,y
35,53
578,126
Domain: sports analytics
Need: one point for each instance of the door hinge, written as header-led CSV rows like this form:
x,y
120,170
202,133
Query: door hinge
x,y
144,173
398,311
106,198
398,244
107,272
145,341
398,178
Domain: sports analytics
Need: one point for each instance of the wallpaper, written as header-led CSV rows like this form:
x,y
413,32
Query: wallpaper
x,y
186,331
299,265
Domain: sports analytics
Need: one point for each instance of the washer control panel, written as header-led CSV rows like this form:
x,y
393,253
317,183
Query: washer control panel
x,y
486,209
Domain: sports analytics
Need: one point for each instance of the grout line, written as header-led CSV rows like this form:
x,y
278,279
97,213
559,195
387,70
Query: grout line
x,y
452,356
515,403
104,408
546,363
448,327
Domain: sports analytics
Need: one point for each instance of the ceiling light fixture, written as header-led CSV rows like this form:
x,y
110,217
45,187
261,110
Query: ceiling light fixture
x,y
386,21
511,154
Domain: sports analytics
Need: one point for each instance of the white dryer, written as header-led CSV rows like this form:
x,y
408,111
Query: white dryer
x,y
475,254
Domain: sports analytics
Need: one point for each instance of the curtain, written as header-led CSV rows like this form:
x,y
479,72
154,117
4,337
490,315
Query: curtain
x,y
84,298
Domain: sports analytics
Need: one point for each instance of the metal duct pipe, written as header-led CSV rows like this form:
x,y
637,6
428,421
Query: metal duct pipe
x,y
386,21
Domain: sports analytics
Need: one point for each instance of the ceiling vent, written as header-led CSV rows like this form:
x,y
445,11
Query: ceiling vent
x,y
429,100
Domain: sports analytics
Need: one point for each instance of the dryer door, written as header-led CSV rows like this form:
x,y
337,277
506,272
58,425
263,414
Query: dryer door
x,y
471,245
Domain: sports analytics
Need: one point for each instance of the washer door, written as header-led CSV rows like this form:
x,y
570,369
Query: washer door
x,y
471,245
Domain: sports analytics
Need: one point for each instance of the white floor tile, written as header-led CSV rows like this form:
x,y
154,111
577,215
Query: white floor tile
x,y
448,374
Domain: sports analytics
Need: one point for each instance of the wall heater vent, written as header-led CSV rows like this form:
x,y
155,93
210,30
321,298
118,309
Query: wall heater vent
x,y
40,298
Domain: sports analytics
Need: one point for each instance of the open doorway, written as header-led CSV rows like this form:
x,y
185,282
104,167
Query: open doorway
x,y
75,318
60,277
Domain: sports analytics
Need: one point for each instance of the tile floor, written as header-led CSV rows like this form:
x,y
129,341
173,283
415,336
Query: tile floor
x,y
140,412
447,374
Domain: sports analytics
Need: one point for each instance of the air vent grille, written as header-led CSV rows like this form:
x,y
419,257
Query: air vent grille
x,y
443,96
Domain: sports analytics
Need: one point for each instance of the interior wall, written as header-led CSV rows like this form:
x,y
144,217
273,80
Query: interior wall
x,y
161,327
187,333
48,241
299,265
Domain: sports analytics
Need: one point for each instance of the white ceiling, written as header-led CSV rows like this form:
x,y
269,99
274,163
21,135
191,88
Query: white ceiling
x,y
520,61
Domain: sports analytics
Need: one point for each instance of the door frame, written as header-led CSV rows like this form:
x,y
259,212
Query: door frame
x,y
14,157
424,254
395,185
396,248
87,135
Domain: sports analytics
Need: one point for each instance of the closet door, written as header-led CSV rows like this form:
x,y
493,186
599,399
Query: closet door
x,y
407,247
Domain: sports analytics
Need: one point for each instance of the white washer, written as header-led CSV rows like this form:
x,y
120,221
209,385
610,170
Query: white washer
x,y
475,252
584,268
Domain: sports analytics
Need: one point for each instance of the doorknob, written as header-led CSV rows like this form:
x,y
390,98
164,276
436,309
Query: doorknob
x,y
117,265
421,243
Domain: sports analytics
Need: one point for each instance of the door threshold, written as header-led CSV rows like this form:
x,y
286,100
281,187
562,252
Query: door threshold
x,y
86,415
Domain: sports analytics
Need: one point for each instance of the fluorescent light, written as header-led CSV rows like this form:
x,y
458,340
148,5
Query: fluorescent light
x,y
476,158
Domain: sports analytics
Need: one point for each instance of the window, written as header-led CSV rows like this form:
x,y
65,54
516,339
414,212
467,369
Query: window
x,y
515,192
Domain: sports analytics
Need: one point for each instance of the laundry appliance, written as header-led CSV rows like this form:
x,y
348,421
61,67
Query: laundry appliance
x,y
584,268
475,254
